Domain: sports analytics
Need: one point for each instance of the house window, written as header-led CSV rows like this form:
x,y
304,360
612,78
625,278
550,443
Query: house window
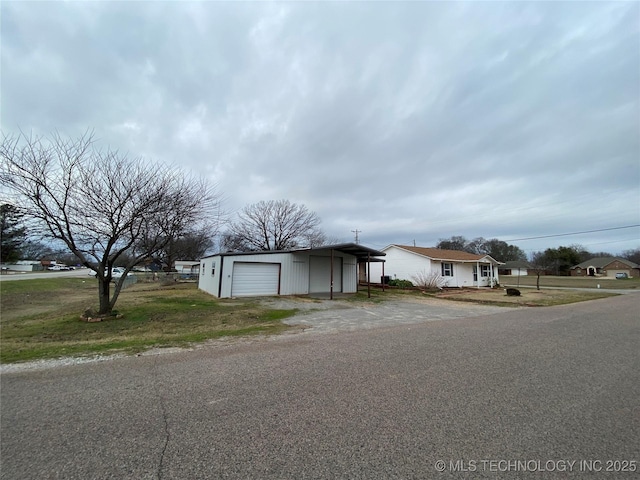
x,y
485,270
447,269
213,268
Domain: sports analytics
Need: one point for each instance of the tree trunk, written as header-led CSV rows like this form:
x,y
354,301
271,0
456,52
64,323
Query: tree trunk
x,y
538,281
104,294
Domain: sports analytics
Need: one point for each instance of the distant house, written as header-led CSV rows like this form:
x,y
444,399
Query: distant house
x,y
457,268
515,267
605,267
328,269
24,266
187,267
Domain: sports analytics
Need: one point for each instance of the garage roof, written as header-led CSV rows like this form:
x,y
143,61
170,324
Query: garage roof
x,y
354,249
359,251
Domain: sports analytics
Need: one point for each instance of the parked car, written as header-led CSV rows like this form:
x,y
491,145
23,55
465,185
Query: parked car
x,y
621,275
116,272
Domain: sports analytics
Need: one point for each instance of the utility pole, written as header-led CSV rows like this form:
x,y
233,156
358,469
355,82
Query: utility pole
x,y
356,231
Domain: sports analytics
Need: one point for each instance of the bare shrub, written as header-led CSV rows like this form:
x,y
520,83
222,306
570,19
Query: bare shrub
x,y
428,280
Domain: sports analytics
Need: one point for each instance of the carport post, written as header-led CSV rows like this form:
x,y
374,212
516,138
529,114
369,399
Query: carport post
x,y
331,287
368,274
383,277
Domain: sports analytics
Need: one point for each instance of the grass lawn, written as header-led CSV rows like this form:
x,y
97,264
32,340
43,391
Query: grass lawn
x,y
530,297
571,282
41,318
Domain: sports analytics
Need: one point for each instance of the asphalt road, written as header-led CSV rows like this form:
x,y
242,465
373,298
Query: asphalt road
x,y
11,276
527,393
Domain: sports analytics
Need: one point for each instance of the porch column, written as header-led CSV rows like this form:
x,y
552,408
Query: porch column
x,y
491,273
478,274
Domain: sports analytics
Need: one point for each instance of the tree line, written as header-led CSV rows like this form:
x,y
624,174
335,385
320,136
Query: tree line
x,y
556,261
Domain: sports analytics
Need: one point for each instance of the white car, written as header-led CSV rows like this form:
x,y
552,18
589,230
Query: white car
x,y
59,268
116,272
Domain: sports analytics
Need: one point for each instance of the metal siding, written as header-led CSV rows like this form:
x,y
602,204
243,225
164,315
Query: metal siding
x,y
207,281
298,280
255,279
320,274
349,275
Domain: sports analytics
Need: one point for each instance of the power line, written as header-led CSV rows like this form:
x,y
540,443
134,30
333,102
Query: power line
x,y
356,231
572,233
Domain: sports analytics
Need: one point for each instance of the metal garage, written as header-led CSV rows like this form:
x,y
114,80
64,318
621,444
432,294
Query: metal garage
x,y
255,279
326,269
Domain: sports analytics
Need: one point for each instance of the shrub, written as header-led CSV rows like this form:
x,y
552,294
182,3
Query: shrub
x,y
429,280
400,283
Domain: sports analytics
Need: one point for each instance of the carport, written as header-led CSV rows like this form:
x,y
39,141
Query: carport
x,y
326,269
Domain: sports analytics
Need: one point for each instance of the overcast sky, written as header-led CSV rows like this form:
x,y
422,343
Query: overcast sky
x,y
406,121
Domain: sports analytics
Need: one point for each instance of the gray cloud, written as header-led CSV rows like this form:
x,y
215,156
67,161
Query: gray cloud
x,y
404,120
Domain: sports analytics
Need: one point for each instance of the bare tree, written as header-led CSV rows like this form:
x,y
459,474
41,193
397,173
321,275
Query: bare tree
x,y
274,225
540,264
453,243
105,207
632,255
36,250
495,248
193,245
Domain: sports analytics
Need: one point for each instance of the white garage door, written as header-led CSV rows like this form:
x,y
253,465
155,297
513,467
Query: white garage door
x,y
320,274
255,279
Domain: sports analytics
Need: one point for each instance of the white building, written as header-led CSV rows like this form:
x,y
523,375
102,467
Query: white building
x,y
187,267
329,269
24,266
457,268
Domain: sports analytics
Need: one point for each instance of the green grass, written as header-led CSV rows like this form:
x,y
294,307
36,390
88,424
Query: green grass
x,y
41,319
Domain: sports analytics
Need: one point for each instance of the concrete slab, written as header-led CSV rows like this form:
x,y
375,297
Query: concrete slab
x,y
330,316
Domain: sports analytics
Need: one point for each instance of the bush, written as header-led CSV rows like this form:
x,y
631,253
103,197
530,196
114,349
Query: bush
x,y
429,281
400,283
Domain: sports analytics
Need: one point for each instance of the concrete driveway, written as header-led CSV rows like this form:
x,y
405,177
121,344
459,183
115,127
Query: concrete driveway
x,y
329,316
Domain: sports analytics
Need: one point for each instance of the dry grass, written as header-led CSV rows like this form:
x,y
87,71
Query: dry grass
x,y
571,282
41,318
529,297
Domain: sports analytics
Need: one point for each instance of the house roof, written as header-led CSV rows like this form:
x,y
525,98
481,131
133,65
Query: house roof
x,y
359,251
601,262
516,264
447,255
